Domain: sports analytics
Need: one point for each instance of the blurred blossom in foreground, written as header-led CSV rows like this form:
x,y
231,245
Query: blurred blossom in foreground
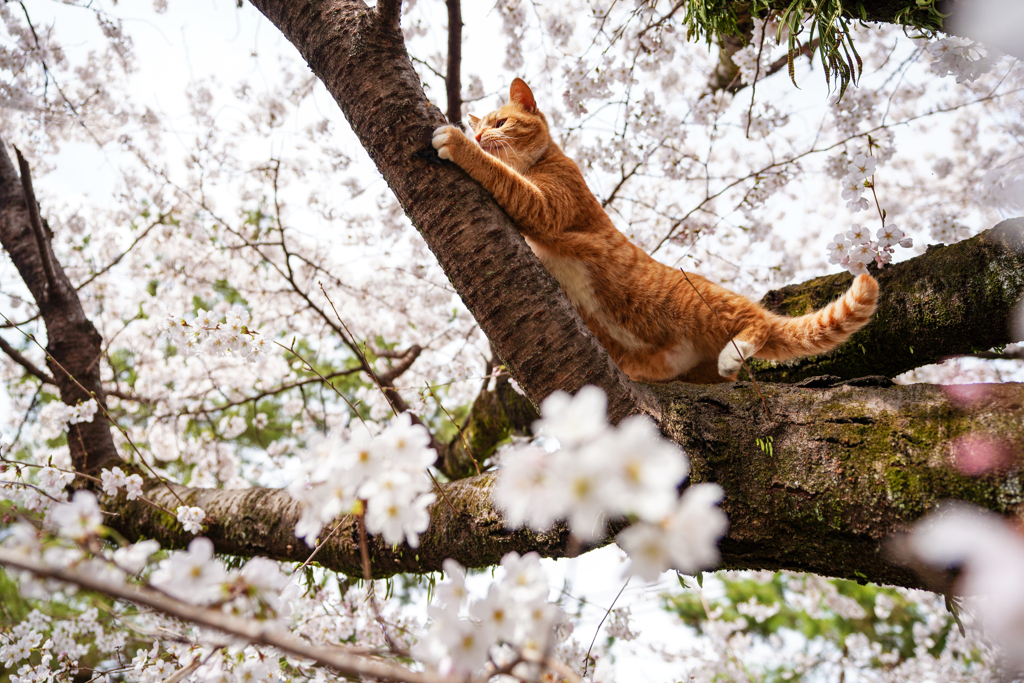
x,y
990,555
603,472
975,454
994,22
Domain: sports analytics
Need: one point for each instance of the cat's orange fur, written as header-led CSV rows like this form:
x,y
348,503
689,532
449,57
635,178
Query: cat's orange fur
x,y
657,323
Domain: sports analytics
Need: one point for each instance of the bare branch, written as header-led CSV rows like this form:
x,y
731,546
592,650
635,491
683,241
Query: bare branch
x,y
29,366
159,221
405,362
389,12
453,81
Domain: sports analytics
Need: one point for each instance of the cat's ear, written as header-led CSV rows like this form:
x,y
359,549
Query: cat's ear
x,y
521,94
474,122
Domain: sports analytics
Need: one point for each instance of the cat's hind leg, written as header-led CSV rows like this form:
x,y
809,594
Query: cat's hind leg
x,y
744,345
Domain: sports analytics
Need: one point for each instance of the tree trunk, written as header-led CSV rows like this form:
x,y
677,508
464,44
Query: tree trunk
x,y
364,65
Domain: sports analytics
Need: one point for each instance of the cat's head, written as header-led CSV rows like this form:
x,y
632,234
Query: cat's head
x,y
517,134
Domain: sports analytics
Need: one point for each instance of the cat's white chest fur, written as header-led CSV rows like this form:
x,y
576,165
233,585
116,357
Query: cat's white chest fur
x,y
574,276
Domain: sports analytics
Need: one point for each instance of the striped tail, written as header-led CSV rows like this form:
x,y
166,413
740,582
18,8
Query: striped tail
x,y
822,330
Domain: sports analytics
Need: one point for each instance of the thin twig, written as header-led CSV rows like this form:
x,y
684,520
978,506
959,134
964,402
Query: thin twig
x,y
255,631
159,221
586,660
364,553
319,545
351,341
753,86
453,80
310,367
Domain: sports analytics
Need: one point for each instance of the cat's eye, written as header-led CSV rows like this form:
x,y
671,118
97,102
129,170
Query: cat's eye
x,y
500,123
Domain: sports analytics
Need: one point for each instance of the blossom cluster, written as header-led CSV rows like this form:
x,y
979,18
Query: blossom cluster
x,y
514,617
191,518
197,577
58,411
859,170
112,480
754,60
599,472
855,249
947,229
194,576
387,472
208,333
51,488
963,57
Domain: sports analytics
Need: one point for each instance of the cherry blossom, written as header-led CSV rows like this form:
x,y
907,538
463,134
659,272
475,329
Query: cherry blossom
x,y
79,518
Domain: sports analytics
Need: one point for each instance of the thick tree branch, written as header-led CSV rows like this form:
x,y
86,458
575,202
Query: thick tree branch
x,y
518,305
817,487
73,344
950,301
35,221
390,13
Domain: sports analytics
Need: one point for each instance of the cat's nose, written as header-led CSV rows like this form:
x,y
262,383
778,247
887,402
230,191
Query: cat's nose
x,y
478,136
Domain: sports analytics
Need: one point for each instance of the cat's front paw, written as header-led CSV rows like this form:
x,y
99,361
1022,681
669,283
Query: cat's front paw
x,y
730,360
445,139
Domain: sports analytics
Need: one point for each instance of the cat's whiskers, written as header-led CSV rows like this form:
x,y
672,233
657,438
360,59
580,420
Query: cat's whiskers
x,y
505,147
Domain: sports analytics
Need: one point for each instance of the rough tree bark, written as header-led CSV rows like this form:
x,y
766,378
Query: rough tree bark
x,y
815,480
73,343
845,467
364,65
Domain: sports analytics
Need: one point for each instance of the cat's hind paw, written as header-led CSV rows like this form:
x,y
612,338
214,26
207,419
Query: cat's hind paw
x,y
730,360
442,141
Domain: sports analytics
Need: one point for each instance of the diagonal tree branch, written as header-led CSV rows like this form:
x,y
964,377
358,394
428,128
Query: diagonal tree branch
x,y
73,344
29,366
35,222
254,631
518,305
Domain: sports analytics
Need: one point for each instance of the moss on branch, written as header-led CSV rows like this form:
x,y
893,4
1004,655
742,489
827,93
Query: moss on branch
x,y
951,300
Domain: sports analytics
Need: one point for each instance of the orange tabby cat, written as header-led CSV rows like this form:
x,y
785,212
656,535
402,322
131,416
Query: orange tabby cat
x,y
656,322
